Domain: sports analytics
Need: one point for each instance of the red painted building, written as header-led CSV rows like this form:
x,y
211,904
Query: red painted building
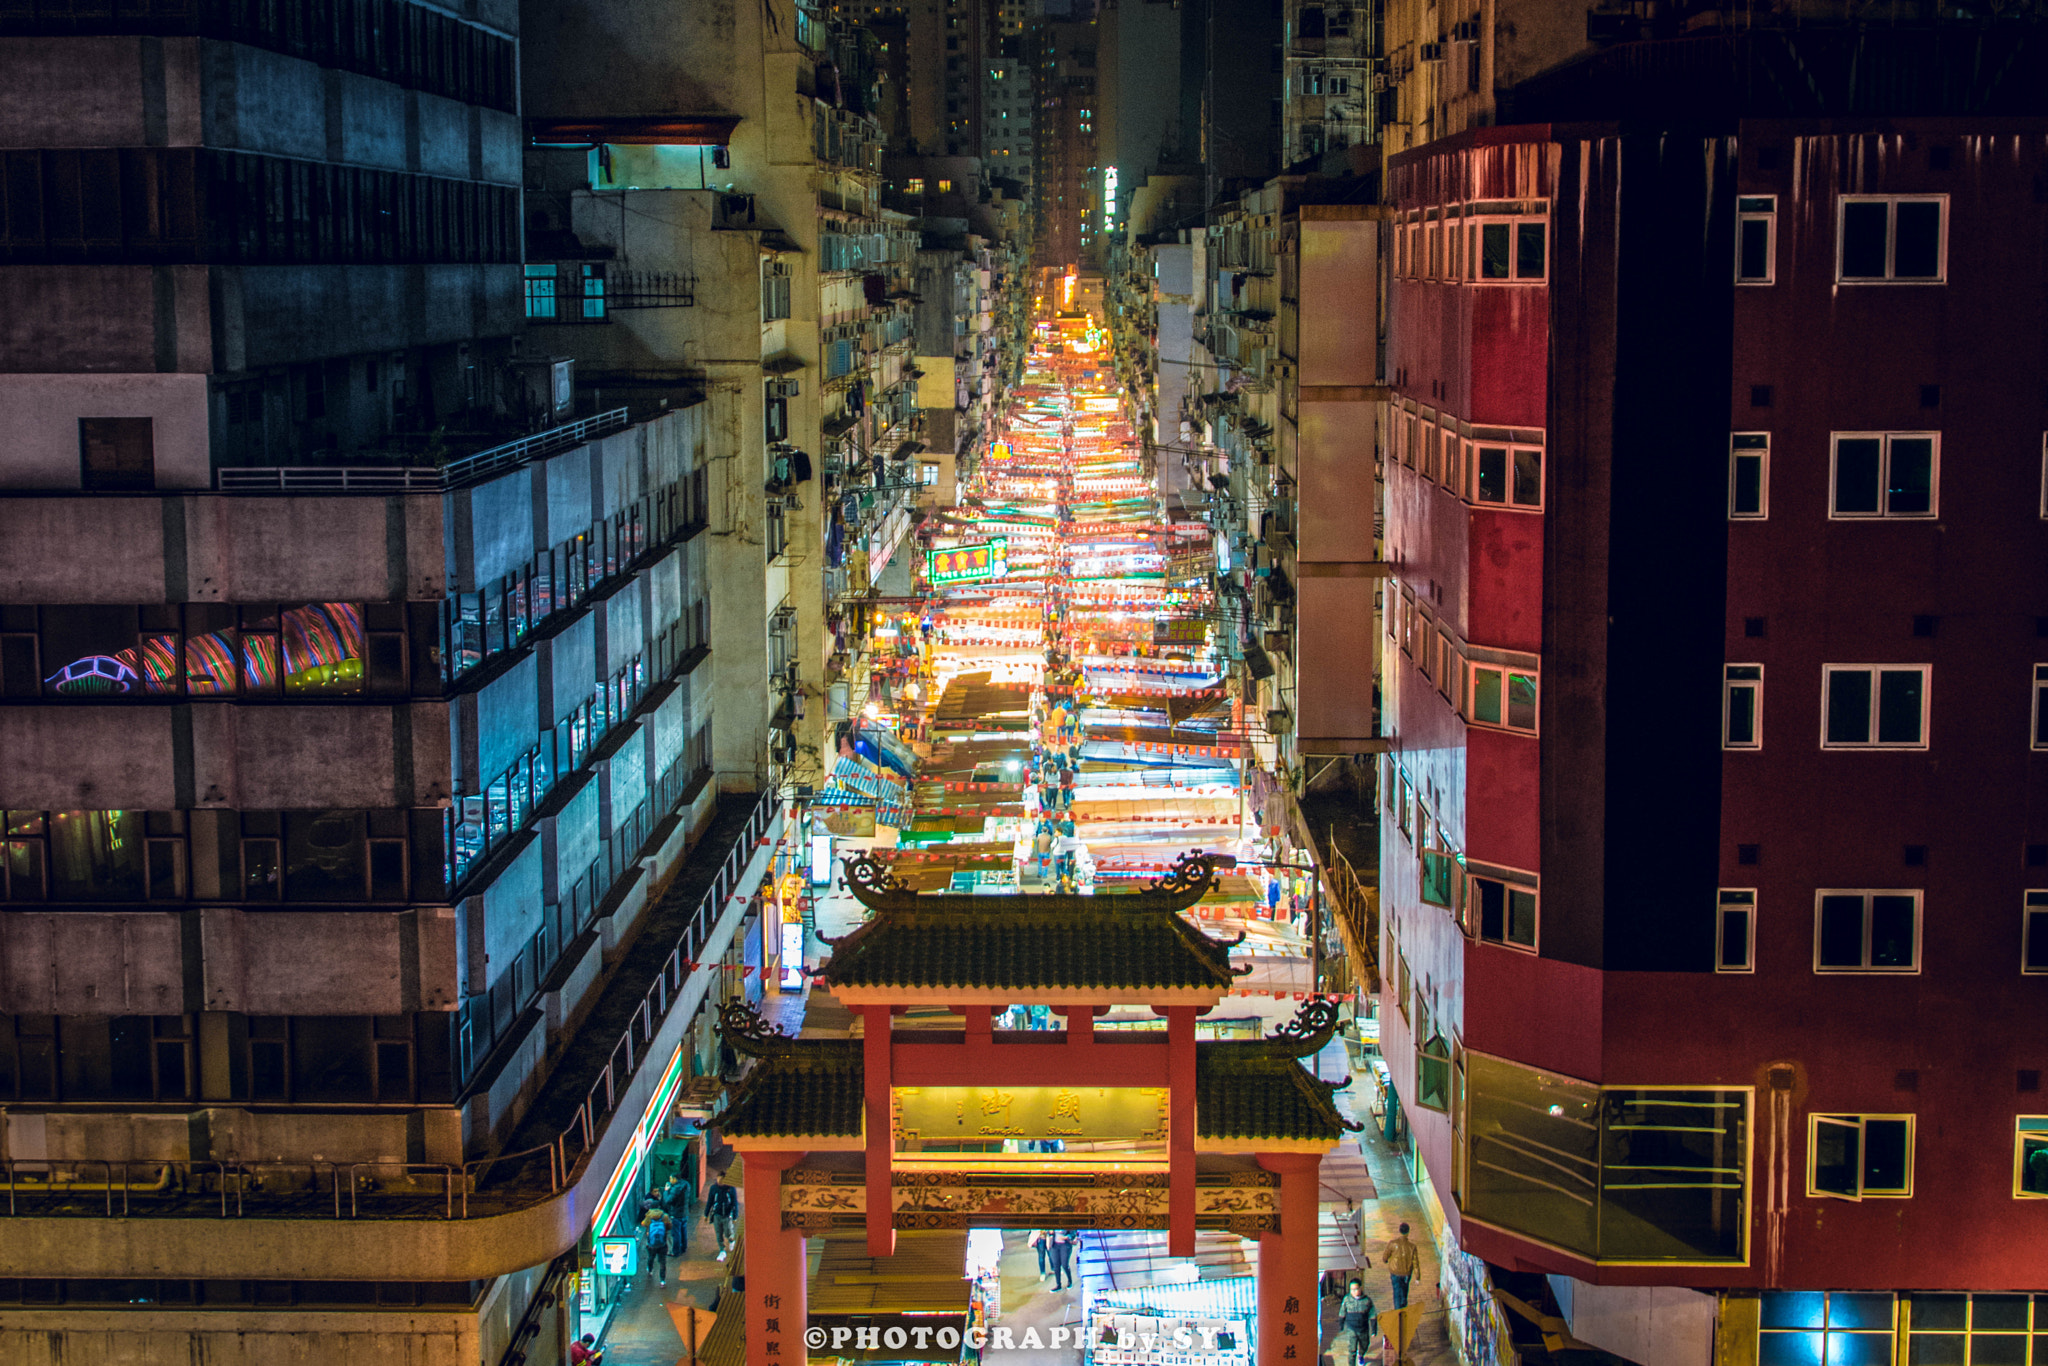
x,y
1718,797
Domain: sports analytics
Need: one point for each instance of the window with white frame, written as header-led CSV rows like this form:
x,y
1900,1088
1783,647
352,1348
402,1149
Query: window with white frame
x,y
1885,474
1756,239
1502,696
1892,239
1507,476
1457,451
1504,910
2034,933
1735,930
1749,475
2041,706
1742,706
1874,706
1865,931
1859,1157
1509,251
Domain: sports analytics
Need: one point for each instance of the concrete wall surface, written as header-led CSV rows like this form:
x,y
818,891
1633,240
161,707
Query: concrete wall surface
x,y
73,1337
1665,1324
39,415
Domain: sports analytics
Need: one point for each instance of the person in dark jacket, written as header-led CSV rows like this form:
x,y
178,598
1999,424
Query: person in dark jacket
x,y
721,1207
1357,1317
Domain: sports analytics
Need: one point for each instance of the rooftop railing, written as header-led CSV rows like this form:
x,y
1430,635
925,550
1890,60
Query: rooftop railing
x,y
419,478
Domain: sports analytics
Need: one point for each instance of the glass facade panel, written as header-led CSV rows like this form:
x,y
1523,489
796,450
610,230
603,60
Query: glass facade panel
x,y
1623,1175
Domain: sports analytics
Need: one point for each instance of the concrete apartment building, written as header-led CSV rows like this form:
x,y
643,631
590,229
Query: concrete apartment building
x,y
765,210
353,701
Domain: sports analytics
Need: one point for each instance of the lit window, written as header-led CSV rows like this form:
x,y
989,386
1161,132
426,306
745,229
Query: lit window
x,y
1812,1327
1858,931
1874,706
1856,1157
1892,240
914,185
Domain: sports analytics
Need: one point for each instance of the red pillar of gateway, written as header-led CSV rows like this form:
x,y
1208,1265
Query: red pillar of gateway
x,y
775,1294
1289,1265
1180,1132
876,1030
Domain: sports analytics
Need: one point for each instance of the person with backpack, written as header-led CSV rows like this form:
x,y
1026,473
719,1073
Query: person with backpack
x,y
655,1227
721,1207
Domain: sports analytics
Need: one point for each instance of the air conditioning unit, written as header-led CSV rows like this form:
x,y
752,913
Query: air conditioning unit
x,y
1431,52
1279,642
1465,31
1279,722
784,388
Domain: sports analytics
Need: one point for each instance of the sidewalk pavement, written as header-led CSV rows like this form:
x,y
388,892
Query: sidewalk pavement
x,y
1377,1225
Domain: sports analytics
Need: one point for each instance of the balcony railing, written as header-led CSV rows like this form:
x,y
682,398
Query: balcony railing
x,y
419,478
376,1190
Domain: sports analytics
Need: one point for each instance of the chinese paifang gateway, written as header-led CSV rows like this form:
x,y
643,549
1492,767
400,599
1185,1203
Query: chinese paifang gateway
x,y
1245,1123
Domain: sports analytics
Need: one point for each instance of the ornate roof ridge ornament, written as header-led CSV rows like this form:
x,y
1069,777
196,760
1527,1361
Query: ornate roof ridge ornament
x,y
876,887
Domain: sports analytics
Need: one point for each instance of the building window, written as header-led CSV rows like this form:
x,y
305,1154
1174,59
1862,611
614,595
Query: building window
x,y
2041,706
2034,933
1735,931
1756,239
1510,251
1749,475
1885,474
2030,1163
1854,1157
1504,913
1811,1327
1439,877
1742,706
1508,476
1432,1064
1874,706
540,291
1858,931
1503,697
1622,1173
116,453
1892,239
1981,1329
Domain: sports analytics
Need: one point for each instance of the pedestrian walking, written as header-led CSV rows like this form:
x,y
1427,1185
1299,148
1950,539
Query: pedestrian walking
x,y
1401,1259
721,1207
1357,1318
655,1227
1062,1260
1042,1242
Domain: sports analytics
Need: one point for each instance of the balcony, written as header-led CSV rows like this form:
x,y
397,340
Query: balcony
x,y
488,1216
420,478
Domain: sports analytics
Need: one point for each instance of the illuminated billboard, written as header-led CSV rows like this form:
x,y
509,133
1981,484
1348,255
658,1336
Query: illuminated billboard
x,y
969,563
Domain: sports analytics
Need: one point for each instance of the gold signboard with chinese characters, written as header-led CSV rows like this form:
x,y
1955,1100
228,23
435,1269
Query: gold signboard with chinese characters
x,y
1245,1202
945,1115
